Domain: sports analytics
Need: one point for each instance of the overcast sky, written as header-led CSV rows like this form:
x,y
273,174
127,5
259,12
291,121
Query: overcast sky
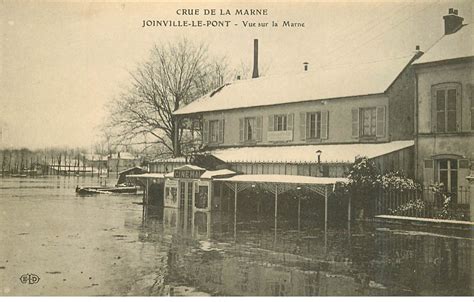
x,y
61,63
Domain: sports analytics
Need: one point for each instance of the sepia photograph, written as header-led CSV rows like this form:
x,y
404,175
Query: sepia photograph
x,y
237,148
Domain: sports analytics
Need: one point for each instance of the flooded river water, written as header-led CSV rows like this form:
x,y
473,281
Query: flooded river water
x,y
101,245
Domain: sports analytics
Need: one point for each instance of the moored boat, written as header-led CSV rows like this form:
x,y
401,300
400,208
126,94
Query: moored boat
x,y
106,190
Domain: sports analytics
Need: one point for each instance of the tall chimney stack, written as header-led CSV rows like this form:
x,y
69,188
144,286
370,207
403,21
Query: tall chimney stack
x,y
452,22
255,59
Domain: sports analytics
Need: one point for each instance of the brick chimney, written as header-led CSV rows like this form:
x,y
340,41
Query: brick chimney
x,y
452,22
255,59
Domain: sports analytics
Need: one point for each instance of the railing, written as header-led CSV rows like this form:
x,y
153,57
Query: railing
x,y
425,202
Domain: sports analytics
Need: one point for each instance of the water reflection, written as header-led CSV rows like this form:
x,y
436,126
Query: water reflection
x,y
214,254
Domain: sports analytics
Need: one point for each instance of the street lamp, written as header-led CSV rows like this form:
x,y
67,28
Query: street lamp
x,y
318,154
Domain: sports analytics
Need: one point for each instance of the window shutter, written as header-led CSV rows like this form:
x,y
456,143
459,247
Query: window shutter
x,y
433,110
428,172
205,132
458,108
380,121
470,94
302,126
324,124
241,129
464,164
221,131
259,128
355,122
271,122
289,120
463,172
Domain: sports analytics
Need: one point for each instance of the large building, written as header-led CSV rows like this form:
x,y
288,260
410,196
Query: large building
x,y
314,123
445,109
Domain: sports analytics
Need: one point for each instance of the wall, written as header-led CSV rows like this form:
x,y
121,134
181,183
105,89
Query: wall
x,y
459,144
401,102
323,170
339,119
446,73
402,161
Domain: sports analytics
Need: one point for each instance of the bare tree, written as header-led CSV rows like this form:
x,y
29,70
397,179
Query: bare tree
x,y
174,75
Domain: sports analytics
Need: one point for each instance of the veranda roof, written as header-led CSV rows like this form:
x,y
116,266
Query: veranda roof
x,y
217,173
284,179
147,175
205,175
342,153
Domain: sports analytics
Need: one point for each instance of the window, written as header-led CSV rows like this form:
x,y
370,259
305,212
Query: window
x,y
280,123
214,131
446,110
280,127
447,174
313,127
250,129
368,122
446,113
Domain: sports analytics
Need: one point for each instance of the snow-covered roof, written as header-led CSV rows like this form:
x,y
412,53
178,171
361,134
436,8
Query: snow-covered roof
x,y
170,160
307,153
133,168
147,175
453,46
287,179
212,174
189,167
322,84
123,155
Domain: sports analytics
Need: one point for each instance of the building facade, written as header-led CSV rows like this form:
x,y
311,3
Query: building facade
x,y
312,123
445,111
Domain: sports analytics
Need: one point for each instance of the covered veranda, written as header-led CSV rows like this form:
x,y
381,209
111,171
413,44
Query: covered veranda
x,y
278,184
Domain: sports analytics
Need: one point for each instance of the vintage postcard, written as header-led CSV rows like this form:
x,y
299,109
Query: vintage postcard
x,y
217,148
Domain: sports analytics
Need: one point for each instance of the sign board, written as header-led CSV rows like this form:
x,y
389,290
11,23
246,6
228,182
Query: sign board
x,y
279,136
193,174
171,193
171,183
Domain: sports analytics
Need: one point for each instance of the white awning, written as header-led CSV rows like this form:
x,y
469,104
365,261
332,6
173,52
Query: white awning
x,y
284,179
147,175
217,173
335,153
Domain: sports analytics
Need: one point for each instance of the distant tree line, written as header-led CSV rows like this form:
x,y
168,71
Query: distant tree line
x,y
23,159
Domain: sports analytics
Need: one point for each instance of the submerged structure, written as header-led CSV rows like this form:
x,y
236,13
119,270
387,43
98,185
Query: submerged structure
x,y
286,132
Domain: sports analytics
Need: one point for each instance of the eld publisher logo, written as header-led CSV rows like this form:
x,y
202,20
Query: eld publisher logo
x,y
29,279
